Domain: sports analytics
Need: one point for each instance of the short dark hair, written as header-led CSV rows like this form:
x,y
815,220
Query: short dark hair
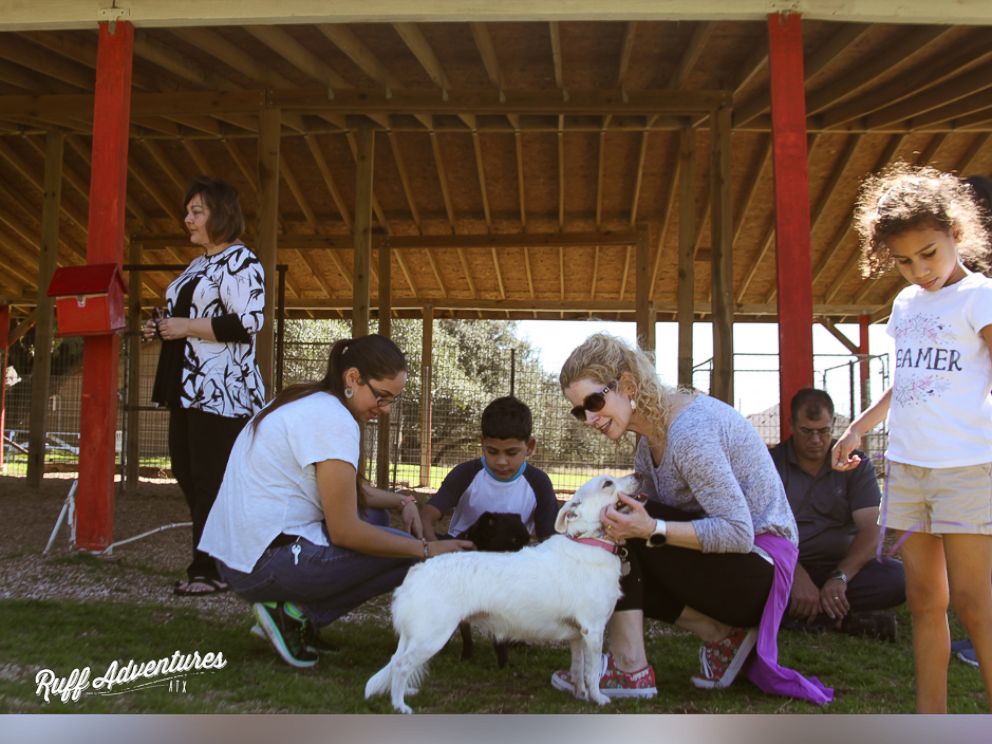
x,y
226,222
507,418
812,401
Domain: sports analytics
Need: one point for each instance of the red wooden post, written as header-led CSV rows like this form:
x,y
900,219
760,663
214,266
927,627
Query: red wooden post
x,y
4,341
104,244
863,350
792,244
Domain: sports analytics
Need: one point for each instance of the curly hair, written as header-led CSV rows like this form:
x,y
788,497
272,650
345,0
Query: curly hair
x,y
604,358
905,197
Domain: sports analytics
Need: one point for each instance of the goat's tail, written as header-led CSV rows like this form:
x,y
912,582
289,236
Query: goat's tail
x,y
380,682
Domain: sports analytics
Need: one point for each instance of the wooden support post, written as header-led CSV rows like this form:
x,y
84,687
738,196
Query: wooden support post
x,y
721,224
385,329
644,306
269,130
41,369
792,241
104,244
361,296
132,444
4,343
864,351
687,250
426,351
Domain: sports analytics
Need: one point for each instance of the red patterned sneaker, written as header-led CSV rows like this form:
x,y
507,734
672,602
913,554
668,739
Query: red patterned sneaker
x,y
613,682
720,662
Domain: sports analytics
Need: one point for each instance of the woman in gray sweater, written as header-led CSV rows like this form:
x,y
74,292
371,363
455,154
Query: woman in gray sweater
x,y
714,544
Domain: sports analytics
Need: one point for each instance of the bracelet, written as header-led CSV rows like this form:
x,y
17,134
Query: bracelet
x,y
427,553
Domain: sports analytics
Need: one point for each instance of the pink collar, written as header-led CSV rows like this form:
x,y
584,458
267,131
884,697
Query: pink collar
x,y
606,545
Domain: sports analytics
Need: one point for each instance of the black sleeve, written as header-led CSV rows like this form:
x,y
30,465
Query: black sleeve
x,y
229,328
546,510
454,485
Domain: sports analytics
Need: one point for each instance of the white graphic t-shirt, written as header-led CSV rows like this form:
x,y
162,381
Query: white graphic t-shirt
x,y
941,412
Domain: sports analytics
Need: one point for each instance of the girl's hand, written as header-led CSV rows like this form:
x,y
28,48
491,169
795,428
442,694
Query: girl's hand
x,y
841,456
411,519
634,522
439,547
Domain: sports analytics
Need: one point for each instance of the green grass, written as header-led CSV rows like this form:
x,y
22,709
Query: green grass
x,y
868,677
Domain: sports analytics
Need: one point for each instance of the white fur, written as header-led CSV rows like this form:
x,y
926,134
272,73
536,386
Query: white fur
x,y
559,590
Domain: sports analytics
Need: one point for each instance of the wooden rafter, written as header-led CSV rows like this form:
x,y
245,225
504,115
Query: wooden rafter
x,y
600,176
981,101
487,50
196,155
694,50
826,192
38,60
638,178
377,209
283,44
666,212
83,152
235,57
969,85
348,42
442,177
422,50
561,173
325,173
817,61
242,165
556,58
169,59
851,265
518,148
626,49
166,165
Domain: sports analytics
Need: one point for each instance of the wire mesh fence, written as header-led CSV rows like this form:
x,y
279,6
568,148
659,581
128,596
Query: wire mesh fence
x,y
467,372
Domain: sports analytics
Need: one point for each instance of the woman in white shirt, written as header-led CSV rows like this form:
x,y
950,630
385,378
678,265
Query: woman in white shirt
x,y
287,528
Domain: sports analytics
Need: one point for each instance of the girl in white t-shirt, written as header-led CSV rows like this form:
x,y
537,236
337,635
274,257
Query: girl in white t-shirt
x,y
287,530
939,490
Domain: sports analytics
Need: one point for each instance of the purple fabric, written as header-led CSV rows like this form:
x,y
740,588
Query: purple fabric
x,y
763,668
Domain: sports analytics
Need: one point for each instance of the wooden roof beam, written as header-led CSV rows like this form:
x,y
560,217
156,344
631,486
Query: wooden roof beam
x,y
480,170
166,165
83,152
626,49
400,161
910,85
964,107
666,211
32,176
846,35
38,60
913,41
156,52
241,164
693,51
232,55
554,34
968,85
490,60
19,77
421,49
297,191
852,264
521,183
442,177
348,42
561,173
196,155
600,176
283,44
377,209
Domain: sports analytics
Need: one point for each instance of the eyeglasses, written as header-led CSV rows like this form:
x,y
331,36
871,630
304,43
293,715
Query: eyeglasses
x,y
381,398
823,432
593,402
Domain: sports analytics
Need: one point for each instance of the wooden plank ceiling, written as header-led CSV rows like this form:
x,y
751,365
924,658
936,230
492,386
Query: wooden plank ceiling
x,y
513,161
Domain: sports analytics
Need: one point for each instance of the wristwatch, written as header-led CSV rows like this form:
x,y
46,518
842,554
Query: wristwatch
x,y
660,535
838,574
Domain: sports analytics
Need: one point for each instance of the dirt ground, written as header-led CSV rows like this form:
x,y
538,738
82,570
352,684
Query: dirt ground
x,y
140,571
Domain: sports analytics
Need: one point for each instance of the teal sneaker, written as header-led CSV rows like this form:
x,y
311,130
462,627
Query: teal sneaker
x,y
284,625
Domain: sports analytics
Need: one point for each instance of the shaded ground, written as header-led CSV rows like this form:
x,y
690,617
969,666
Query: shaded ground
x,y
141,571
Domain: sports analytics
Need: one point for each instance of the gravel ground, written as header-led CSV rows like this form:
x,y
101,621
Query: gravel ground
x,y
143,571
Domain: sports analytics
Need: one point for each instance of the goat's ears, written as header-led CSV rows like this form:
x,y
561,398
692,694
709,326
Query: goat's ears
x,y
564,514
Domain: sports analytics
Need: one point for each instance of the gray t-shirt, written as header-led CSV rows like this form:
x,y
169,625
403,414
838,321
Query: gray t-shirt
x,y
716,466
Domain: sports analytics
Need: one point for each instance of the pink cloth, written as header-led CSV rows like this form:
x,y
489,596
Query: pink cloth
x,y
763,668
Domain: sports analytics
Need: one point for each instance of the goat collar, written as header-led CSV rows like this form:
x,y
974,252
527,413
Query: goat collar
x,y
609,547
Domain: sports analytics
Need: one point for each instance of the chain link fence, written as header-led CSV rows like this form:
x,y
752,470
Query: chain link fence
x,y
464,381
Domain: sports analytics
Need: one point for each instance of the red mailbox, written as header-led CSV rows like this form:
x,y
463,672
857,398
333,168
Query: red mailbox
x,y
89,299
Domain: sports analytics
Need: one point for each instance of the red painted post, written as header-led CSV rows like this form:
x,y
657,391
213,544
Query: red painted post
x,y
863,350
104,244
792,243
4,342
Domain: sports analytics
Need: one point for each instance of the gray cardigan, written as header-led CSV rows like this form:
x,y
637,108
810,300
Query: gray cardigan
x,y
716,466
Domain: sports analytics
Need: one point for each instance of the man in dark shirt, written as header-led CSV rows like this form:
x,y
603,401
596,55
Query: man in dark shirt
x,y
839,582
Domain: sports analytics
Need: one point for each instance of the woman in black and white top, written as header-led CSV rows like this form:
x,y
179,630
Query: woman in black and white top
x,y
207,375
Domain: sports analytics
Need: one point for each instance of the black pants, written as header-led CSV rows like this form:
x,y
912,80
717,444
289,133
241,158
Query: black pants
x,y
199,445
879,585
663,581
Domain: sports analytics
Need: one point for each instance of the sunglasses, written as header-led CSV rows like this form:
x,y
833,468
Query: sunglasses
x,y
593,402
381,398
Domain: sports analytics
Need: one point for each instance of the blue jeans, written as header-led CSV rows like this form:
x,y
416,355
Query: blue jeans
x,y
325,581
